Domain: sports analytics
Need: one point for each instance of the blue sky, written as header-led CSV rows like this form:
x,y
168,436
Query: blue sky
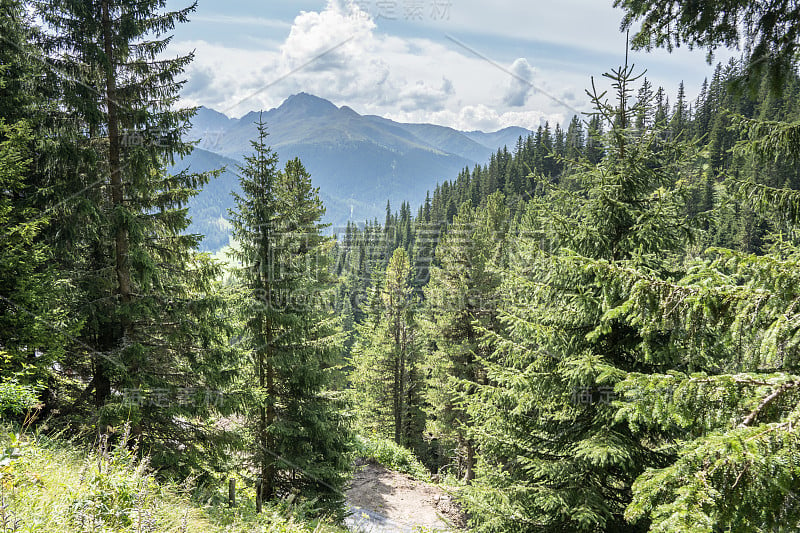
x,y
459,63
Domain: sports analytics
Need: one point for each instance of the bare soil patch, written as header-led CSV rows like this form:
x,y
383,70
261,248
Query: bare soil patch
x,y
382,500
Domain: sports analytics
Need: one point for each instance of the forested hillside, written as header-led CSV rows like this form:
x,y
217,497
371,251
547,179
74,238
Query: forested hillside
x,y
358,162
596,330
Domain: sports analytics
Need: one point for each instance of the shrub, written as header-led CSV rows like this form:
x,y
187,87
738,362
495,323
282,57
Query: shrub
x,y
16,398
391,455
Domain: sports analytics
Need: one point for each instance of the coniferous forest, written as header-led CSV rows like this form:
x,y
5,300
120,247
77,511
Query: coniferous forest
x,y
596,330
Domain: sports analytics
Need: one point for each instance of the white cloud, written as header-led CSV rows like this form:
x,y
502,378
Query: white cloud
x,y
423,95
338,54
483,117
227,76
519,85
342,27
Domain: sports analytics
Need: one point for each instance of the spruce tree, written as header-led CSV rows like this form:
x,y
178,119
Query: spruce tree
x,y
553,457
575,139
300,440
30,345
731,404
460,299
680,115
644,98
34,324
386,378
153,348
769,32
372,369
727,405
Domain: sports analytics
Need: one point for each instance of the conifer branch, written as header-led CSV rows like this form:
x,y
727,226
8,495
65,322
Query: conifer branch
x,y
749,419
765,199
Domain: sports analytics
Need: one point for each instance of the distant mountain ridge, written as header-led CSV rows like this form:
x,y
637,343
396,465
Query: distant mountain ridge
x,y
358,161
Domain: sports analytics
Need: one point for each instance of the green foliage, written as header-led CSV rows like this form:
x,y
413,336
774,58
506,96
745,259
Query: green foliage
x,y
596,330
460,298
743,480
151,336
53,485
295,427
28,289
553,457
16,398
391,455
782,202
712,396
767,139
769,32
649,305
386,377
729,423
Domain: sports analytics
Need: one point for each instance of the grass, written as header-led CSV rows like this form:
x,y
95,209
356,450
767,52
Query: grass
x,y
50,485
392,456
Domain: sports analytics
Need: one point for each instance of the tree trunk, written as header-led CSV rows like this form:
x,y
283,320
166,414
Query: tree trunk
x,y
469,475
121,243
262,426
403,386
269,486
398,390
106,342
396,398
267,378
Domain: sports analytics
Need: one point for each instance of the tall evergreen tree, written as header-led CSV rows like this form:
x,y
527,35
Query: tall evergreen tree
x,y
29,346
31,303
575,138
300,438
154,343
644,100
703,110
553,457
727,406
385,376
680,115
768,31
460,299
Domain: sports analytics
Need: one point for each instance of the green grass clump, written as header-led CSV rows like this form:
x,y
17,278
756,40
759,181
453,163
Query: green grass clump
x,y
16,398
391,455
50,485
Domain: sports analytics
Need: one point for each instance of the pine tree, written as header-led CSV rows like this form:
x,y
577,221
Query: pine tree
x,y
680,115
661,107
644,100
153,348
728,406
385,361
553,457
29,348
300,438
459,300
372,374
575,138
31,301
730,401
593,150
703,107
768,32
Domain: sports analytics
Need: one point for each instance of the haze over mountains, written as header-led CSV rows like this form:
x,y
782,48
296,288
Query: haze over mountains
x,y
358,161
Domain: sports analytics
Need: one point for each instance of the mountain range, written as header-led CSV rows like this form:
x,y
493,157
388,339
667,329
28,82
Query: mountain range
x,y
358,161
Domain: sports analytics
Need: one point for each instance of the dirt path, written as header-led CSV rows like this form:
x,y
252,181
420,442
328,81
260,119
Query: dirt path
x,y
386,501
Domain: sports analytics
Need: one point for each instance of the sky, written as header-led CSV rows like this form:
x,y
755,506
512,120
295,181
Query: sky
x,y
467,64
